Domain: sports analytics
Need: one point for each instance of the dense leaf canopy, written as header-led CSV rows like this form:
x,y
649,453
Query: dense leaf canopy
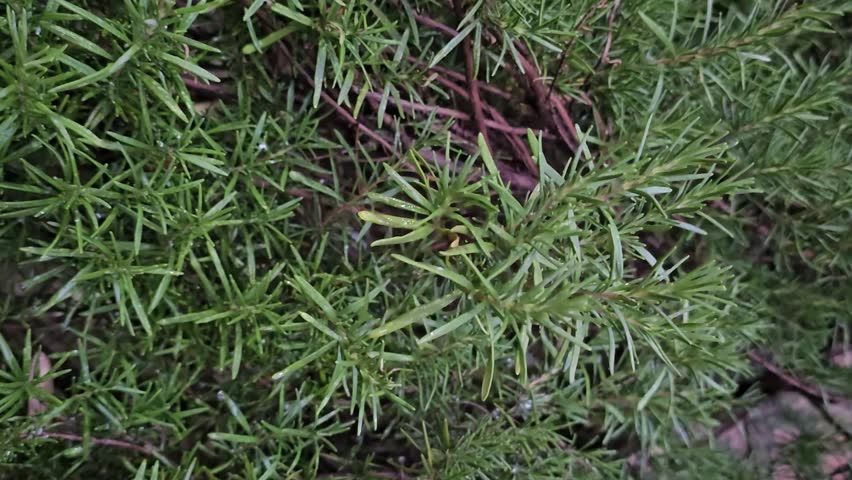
x,y
416,239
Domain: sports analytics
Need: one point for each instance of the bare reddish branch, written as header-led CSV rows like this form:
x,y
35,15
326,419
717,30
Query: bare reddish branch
x,y
215,89
472,84
146,449
475,98
422,107
789,378
434,24
500,123
518,145
561,118
375,136
467,137
519,180
486,87
604,58
427,153
581,26
284,52
559,115
506,128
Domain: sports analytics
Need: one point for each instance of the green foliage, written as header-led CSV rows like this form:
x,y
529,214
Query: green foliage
x,y
233,279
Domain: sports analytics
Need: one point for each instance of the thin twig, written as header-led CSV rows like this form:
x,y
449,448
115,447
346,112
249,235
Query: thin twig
x,y
472,85
500,125
218,90
542,378
476,406
565,51
498,122
559,115
491,110
146,449
841,470
521,181
467,137
564,124
506,128
602,128
340,110
518,145
604,58
361,127
791,379
408,142
434,24
444,28
422,107
282,50
483,86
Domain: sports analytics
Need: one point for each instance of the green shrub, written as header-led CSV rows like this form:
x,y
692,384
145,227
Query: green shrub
x,y
290,239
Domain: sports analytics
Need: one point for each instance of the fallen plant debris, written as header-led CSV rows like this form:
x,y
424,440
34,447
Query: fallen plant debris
x,y
433,239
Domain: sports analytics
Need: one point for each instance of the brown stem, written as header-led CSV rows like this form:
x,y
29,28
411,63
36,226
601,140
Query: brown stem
x,y
475,99
472,84
518,145
499,122
558,114
610,20
506,128
518,180
215,89
603,59
407,142
146,449
565,51
789,378
467,138
485,87
361,127
521,181
602,128
375,136
500,125
422,107
282,50
434,24
475,405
